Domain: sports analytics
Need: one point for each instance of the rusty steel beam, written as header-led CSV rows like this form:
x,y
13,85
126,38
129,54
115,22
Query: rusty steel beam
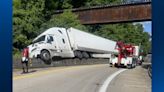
x,y
115,13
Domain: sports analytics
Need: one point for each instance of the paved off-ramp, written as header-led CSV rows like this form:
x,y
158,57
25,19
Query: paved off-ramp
x,y
86,78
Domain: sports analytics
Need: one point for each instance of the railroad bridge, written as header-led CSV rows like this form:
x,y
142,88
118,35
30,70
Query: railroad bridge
x,y
116,13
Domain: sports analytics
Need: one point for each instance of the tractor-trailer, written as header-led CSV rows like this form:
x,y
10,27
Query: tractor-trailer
x,y
59,43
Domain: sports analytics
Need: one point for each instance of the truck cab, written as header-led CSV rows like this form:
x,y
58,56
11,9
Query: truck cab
x,y
52,43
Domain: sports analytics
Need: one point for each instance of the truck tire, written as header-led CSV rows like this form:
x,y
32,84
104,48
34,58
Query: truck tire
x,y
45,56
134,64
85,55
78,54
150,71
129,66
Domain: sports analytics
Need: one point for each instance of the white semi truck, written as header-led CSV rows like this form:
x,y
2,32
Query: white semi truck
x,y
70,43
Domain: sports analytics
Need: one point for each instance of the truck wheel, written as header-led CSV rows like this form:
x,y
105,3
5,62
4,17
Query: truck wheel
x,y
134,64
78,54
129,66
150,71
45,56
85,55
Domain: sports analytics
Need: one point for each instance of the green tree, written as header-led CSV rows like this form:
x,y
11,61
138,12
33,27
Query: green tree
x,y
100,2
27,18
126,32
66,19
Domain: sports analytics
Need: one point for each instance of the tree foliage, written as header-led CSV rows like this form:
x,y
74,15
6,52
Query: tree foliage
x,y
127,33
100,2
27,18
66,19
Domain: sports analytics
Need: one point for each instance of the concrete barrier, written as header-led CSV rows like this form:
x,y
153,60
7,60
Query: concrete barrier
x,y
37,63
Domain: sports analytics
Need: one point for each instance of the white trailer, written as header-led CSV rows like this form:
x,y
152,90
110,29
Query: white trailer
x,y
69,43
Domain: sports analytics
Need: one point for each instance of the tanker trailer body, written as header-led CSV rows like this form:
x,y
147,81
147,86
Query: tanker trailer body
x,y
59,43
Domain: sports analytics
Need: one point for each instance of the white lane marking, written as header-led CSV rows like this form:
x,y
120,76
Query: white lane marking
x,y
109,79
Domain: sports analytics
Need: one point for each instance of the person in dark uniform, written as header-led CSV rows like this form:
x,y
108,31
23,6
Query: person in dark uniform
x,y
25,60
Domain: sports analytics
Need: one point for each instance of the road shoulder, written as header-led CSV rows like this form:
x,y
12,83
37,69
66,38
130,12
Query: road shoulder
x,y
132,80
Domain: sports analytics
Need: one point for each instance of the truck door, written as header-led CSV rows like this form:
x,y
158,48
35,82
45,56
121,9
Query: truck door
x,y
64,46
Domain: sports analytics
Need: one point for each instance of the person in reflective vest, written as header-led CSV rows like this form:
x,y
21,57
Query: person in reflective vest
x,y
25,60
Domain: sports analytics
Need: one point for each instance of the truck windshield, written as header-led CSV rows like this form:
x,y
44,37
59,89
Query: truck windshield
x,y
42,38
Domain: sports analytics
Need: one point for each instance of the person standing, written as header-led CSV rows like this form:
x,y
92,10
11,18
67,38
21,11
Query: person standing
x,y
25,60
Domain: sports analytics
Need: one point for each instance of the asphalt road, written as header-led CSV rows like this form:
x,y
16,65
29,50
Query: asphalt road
x,y
88,78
